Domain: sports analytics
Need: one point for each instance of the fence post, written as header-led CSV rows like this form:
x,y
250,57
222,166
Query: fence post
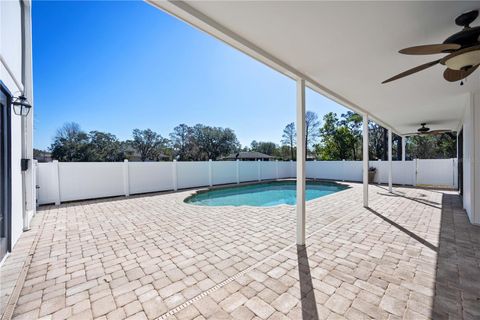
x,y
415,168
292,166
56,172
210,173
276,168
174,175
126,178
344,165
259,171
237,168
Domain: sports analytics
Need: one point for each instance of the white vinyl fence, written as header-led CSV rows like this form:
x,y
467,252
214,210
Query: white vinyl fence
x,y
68,181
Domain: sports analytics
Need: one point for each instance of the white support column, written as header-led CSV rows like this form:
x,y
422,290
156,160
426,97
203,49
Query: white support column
x,y
365,160
301,147
126,179
404,144
390,182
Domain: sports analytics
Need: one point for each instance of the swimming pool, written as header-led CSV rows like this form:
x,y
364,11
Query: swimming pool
x,y
262,194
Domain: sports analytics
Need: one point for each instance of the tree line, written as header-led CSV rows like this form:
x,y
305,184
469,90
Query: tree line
x,y
332,138
199,142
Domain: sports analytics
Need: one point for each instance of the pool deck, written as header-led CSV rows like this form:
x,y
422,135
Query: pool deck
x,y
411,255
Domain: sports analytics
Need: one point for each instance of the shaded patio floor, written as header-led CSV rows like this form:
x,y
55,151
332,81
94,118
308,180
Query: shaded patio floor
x,y
411,255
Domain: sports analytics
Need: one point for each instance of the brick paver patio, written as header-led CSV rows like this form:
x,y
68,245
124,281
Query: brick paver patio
x,y
412,255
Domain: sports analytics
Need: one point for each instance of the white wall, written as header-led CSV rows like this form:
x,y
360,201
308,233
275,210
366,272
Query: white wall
x,y
86,180
223,172
83,180
11,44
476,161
335,170
48,178
471,154
436,172
268,170
11,53
248,170
192,174
149,176
468,147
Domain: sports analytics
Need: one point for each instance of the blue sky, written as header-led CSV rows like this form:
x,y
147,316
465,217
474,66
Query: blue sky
x,y
116,66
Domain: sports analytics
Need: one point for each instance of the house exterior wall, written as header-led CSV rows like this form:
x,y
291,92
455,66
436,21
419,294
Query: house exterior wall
x,y
13,58
476,160
471,161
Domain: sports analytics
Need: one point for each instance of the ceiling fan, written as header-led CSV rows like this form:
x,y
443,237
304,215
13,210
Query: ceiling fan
x,y
462,49
425,130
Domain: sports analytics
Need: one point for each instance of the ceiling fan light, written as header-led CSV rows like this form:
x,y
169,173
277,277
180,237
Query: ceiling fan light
x,y
461,61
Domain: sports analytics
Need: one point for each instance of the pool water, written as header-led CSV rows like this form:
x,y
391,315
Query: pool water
x,y
263,194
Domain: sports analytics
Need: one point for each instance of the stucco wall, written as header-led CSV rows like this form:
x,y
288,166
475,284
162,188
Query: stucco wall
x,y
474,144
11,43
471,154
11,76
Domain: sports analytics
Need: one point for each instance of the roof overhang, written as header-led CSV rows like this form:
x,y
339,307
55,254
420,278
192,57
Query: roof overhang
x,y
344,50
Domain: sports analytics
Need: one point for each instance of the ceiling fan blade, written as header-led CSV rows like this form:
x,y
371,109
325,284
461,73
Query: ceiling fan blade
x,y
431,48
433,132
438,132
413,70
452,75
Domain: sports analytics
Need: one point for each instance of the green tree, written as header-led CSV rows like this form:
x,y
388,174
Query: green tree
x,y
103,146
269,148
213,142
353,121
377,141
338,141
148,144
312,126
181,140
284,152
289,138
432,146
70,143
396,147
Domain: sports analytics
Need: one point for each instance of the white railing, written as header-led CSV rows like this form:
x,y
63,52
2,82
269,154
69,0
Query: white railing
x,y
68,181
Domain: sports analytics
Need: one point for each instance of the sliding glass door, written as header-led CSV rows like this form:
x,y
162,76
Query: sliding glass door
x,y
5,174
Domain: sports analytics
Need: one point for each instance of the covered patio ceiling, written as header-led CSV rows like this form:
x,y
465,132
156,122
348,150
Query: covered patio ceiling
x,y
344,50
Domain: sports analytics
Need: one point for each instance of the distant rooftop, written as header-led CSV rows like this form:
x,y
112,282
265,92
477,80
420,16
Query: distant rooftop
x,y
248,155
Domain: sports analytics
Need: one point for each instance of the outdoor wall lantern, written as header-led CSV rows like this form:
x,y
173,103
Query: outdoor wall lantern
x,y
21,107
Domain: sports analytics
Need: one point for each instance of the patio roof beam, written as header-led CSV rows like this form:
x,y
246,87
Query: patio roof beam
x,y
301,157
365,160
